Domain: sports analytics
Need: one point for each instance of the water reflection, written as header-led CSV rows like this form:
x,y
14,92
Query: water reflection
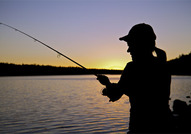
x,y
66,104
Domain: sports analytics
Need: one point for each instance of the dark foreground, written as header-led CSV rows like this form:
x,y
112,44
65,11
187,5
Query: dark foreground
x,y
181,117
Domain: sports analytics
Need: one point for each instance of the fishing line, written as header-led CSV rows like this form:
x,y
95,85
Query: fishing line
x,y
36,40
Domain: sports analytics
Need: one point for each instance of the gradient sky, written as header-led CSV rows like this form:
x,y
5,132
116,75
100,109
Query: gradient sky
x,y
88,31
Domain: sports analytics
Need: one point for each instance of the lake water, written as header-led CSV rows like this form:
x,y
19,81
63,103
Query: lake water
x,y
67,104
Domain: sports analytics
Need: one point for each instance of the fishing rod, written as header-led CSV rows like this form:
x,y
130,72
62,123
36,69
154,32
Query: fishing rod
x,y
46,46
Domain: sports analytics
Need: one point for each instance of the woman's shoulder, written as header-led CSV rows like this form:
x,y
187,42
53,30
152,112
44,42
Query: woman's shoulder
x,y
131,63
129,66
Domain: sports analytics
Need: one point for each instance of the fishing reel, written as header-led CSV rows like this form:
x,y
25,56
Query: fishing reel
x,y
112,92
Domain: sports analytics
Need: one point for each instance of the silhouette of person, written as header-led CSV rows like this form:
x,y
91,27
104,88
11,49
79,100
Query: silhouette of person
x,y
146,81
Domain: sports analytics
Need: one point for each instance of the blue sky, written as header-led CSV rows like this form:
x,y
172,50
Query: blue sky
x,y
88,30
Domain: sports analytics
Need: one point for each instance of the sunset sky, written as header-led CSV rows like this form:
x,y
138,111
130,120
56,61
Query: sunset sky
x,y
88,31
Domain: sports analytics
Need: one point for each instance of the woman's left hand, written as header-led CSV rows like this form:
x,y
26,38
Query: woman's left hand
x,y
104,80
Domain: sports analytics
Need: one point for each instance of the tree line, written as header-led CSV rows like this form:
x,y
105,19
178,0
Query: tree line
x,y
10,69
177,66
180,65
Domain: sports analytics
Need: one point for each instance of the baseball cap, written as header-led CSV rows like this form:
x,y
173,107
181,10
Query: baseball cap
x,y
140,32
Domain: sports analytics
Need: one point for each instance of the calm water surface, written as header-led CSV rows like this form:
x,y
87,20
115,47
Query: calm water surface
x,y
67,104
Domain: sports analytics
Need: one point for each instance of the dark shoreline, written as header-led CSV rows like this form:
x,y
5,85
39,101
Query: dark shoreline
x,y
177,66
10,69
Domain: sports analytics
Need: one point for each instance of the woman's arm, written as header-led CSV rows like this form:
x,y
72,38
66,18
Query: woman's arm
x,y
161,54
112,91
104,80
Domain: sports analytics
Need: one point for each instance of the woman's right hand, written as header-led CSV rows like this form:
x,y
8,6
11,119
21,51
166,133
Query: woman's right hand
x,y
161,54
104,80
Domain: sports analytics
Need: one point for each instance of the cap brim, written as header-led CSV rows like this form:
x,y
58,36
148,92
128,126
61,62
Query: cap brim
x,y
124,38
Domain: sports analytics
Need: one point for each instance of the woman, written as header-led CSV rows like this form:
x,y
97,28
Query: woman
x,y
145,80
